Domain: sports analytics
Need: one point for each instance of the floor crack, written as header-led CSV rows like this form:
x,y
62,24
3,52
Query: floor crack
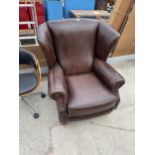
x,y
117,128
50,148
130,105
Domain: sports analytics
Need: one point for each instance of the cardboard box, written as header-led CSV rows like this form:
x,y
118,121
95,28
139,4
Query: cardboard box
x,y
119,13
126,43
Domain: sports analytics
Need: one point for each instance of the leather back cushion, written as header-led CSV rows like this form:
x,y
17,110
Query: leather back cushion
x,y
74,41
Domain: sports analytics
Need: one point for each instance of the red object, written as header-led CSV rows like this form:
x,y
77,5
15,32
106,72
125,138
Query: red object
x,y
39,12
23,16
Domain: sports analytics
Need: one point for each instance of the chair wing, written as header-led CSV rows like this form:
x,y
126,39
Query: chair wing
x,y
107,38
46,42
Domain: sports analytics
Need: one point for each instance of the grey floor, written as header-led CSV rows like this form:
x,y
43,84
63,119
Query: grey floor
x,y
111,134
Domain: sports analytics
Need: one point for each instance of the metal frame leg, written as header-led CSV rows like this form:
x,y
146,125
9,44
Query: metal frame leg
x,y
43,95
35,114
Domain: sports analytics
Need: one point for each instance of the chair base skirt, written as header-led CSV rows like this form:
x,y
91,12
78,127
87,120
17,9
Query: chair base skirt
x,y
91,110
63,118
91,115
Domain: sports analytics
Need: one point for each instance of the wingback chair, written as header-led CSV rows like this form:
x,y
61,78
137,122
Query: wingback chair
x,y
80,80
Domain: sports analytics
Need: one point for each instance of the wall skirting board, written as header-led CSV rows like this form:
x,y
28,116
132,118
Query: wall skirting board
x,y
118,59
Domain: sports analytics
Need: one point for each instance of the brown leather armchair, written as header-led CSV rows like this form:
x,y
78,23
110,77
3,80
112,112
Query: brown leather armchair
x,y
80,80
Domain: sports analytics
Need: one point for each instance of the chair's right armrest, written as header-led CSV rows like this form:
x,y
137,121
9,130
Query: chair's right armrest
x,y
108,75
57,87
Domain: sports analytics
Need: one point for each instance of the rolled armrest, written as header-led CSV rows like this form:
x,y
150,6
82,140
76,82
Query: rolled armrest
x,y
57,86
110,77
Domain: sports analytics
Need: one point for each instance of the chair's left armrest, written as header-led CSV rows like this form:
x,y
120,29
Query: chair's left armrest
x,y
108,75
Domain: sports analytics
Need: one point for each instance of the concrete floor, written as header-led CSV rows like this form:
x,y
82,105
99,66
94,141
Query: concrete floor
x,y
111,134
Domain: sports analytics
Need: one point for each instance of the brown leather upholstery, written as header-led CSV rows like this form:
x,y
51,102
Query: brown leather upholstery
x,y
69,36
87,92
80,80
112,79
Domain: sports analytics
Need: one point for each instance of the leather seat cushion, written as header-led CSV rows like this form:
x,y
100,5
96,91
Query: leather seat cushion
x,y
88,95
27,82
